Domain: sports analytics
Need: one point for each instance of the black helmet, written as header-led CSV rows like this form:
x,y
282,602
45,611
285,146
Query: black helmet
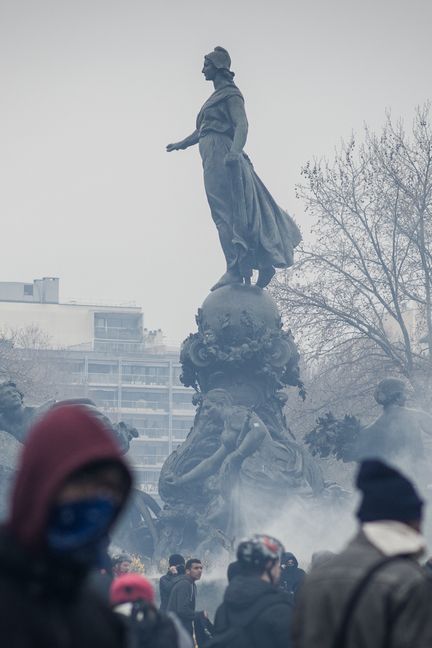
x,y
258,550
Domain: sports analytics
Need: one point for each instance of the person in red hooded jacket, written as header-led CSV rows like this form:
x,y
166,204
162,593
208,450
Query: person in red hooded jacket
x,y
71,485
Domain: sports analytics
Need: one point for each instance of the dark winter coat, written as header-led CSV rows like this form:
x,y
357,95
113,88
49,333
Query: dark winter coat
x,y
291,578
48,605
165,585
271,628
395,607
182,601
45,602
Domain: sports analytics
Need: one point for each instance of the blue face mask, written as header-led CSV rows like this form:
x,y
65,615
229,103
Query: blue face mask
x,y
78,530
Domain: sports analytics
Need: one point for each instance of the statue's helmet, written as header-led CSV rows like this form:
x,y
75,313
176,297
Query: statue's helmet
x,y
220,58
390,390
258,550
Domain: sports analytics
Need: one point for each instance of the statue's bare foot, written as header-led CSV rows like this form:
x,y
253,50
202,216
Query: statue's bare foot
x,y
265,276
230,277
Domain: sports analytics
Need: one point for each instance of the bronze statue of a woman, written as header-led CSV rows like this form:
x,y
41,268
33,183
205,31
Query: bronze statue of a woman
x,y
255,233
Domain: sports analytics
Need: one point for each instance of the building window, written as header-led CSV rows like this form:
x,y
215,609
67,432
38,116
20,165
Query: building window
x,y
28,290
176,375
111,326
145,375
182,401
103,373
145,400
105,398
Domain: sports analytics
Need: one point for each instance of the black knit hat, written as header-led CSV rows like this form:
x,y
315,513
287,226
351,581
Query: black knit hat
x,y
387,494
176,559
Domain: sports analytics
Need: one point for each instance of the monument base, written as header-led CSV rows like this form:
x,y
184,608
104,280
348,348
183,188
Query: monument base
x,y
240,462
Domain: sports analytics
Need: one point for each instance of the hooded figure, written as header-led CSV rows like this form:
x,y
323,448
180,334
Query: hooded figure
x,y
176,569
291,575
71,484
254,613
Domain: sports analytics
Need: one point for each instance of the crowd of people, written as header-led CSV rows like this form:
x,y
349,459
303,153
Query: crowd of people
x,y
60,589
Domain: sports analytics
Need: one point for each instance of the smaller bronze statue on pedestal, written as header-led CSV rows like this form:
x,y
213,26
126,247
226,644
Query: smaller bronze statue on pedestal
x,y
254,232
398,435
16,418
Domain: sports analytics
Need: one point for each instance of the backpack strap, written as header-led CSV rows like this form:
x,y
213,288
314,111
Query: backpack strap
x,y
341,634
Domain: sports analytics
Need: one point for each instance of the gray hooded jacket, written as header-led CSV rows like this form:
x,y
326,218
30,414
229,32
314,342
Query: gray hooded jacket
x,y
394,609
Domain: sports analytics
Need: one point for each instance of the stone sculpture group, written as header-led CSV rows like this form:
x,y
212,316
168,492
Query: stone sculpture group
x,y
240,459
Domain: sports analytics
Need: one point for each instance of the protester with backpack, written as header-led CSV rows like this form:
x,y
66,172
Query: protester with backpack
x,y
374,593
254,614
133,600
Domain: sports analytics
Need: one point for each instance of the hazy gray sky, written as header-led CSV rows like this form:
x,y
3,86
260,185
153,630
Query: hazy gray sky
x,y
93,90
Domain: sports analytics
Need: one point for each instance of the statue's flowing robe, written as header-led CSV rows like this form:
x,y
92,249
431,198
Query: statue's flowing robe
x,y
253,229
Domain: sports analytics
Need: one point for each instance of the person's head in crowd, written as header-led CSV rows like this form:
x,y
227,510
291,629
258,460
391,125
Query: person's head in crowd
x,y
194,569
260,556
288,560
71,485
387,495
131,588
121,564
176,564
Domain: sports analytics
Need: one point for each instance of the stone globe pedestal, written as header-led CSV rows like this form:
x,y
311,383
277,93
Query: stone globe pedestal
x,y
239,361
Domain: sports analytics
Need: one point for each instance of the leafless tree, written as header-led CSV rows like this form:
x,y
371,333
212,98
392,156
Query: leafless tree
x,y
23,359
359,298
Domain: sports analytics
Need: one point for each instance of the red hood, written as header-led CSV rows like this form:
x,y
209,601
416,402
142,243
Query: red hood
x,y
65,439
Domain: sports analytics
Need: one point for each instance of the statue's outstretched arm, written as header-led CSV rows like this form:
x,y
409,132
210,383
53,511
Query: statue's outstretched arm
x,y
205,468
253,434
188,141
252,439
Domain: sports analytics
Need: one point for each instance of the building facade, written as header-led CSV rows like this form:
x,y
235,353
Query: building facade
x,y
104,353
141,389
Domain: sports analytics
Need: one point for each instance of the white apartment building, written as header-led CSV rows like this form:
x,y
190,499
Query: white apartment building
x,y
106,354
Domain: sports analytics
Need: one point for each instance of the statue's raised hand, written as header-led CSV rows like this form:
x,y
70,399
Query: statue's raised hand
x,y
174,147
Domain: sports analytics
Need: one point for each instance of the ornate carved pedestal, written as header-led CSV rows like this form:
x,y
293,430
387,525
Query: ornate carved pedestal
x,y
240,461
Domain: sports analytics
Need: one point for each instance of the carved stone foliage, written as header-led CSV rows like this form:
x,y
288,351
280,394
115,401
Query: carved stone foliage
x,y
240,341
